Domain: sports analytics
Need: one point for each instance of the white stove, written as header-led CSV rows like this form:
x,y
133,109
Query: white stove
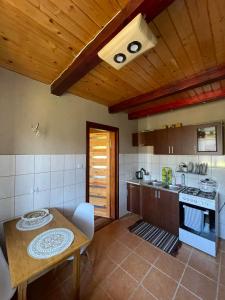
x,y
199,219
196,197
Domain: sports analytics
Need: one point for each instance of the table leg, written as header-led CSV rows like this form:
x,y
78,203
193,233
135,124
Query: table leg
x,y
22,291
76,273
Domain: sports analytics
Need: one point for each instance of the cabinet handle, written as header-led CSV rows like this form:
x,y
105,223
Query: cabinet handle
x,y
169,149
155,193
172,149
159,194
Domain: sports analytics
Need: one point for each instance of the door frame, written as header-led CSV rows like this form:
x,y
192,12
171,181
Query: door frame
x,y
90,125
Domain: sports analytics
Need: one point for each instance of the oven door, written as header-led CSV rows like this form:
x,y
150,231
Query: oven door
x,y
197,220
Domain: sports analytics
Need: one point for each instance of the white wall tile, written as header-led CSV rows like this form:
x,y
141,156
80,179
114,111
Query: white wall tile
x,y
69,208
56,179
70,161
42,181
218,161
80,175
57,162
23,204
6,208
24,184
42,199
24,164
56,197
42,163
69,193
6,187
7,165
80,161
69,177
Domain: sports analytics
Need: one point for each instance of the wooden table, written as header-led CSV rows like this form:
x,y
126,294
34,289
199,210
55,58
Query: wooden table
x,y
23,268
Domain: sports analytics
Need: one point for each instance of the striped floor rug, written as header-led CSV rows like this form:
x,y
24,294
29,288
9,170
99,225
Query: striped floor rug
x,y
160,238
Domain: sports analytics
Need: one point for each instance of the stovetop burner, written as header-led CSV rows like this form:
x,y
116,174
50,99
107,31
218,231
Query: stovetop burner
x,y
198,193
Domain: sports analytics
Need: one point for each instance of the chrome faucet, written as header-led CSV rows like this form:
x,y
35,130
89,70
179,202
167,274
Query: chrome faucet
x,y
183,179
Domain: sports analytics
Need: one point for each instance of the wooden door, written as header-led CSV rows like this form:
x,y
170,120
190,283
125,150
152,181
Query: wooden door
x,y
175,140
169,211
161,141
99,172
133,198
149,205
189,140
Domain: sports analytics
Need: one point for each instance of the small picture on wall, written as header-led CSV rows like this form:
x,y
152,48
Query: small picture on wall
x,y
207,139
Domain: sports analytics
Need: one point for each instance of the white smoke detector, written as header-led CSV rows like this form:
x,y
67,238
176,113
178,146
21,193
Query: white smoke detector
x,y
132,41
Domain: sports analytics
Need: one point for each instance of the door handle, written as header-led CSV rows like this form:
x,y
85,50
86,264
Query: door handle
x,y
155,193
169,149
172,149
158,194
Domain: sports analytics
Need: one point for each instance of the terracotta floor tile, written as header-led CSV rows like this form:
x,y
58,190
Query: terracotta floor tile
x,y
148,251
223,259
222,244
199,284
222,275
183,254
221,295
119,285
117,252
171,266
183,294
207,256
102,268
142,294
130,240
203,264
136,266
160,285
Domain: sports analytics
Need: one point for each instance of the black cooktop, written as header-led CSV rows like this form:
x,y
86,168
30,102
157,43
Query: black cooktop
x,y
197,192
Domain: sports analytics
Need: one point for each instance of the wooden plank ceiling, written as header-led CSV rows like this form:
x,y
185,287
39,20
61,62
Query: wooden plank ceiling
x,y
40,38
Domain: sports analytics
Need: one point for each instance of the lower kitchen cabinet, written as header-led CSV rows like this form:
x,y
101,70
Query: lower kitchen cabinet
x,y
160,208
169,211
133,198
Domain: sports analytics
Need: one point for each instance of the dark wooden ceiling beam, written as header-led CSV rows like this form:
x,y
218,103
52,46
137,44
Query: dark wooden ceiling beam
x,y
177,104
197,80
88,58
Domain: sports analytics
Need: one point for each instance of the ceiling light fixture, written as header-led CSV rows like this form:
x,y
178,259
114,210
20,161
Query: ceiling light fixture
x,y
133,40
134,47
119,58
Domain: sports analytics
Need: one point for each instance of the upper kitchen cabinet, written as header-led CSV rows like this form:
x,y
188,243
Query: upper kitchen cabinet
x,y
209,138
168,141
161,141
144,138
188,140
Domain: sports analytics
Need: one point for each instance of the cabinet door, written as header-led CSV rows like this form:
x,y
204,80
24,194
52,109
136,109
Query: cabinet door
x,y
189,140
161,141
133,198
169,211
149,205
175,140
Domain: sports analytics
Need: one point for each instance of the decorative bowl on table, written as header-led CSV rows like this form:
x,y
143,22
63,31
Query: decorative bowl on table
x,y
35,217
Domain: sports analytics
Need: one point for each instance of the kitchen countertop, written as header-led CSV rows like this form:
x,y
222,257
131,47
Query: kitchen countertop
x,y
150,185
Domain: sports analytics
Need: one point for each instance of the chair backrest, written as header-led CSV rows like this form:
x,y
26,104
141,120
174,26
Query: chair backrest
x,y
6,290
83,218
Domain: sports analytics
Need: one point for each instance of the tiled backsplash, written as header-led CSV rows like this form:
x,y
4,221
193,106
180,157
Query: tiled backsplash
x,y
216,170
28,182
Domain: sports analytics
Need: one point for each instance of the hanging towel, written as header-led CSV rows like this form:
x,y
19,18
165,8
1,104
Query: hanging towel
x,y
193,218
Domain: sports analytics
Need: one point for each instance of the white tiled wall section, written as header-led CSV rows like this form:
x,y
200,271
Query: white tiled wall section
x,y
216,170
34,181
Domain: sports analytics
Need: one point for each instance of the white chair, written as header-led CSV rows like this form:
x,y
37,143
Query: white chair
x,y
83,218
6,291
